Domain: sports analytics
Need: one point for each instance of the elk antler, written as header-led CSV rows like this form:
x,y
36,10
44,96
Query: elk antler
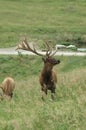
x,y
24,45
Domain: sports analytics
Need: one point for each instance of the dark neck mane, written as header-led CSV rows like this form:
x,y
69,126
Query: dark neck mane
x,y
47,74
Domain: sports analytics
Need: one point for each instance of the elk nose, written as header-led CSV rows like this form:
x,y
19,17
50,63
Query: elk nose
x,y
57,62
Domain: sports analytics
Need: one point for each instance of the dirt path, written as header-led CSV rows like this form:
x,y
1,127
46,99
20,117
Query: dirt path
x,y
12,51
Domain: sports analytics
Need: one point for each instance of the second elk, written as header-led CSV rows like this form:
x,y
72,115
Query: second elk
x,y
48,77
8,86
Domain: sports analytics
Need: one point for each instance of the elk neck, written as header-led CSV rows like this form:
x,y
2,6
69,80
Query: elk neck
x,y
47,71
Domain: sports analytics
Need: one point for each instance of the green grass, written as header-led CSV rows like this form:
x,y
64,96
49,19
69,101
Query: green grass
x,y
58,20
26,111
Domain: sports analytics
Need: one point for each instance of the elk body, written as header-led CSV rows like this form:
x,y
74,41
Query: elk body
x,y
8,86
48,77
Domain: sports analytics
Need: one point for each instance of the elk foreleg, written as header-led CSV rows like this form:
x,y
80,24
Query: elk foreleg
x,y
44,91
53,91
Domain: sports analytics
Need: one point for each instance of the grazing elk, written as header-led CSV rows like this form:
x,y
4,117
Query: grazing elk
x,y
8,86
48,77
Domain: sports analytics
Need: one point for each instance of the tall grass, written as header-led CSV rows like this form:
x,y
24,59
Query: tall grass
x,y
26,111
61,21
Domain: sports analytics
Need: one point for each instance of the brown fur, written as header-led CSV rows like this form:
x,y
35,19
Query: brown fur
x,y
8,86
48,77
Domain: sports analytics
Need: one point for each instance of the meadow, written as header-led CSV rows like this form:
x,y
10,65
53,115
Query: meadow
x,y
63,22
27,111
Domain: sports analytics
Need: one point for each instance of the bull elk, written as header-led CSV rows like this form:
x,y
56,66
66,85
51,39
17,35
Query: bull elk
x,y
48,77
8,86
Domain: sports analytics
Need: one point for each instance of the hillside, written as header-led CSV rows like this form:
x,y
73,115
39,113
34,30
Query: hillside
x,y
61,21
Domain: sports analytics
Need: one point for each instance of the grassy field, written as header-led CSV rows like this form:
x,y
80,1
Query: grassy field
x,y
61,22
26,111
58,20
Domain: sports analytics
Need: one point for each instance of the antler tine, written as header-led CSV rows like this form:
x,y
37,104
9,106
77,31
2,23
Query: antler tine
x,y
26,44
22,45
49,50
54,52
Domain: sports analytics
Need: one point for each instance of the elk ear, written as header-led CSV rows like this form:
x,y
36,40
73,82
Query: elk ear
x,y
44,59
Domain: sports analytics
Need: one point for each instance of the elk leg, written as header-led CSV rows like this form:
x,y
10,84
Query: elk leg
x,y
52,96
53,93
44,91
11,95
